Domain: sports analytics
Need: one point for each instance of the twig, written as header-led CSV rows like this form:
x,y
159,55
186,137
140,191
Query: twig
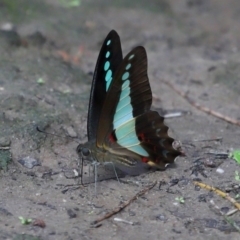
x,y
122,220
208,140
231,222
219,192
202,108
122,206
216,207
173,115
4,148
225,216
218,154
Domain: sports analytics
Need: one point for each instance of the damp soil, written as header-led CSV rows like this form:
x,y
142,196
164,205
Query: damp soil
x,y
47,60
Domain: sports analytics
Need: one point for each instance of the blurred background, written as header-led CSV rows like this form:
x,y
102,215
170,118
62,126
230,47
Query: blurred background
x,y
48,51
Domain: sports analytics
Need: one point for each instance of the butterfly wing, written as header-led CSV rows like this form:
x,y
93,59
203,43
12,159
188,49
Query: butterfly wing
x,y
109,59
127,127
129,94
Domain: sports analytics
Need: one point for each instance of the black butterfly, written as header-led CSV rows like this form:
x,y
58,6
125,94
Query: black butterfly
x,y
121,127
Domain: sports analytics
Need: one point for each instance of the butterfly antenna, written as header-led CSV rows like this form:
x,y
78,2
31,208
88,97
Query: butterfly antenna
x,y
114,169
39,130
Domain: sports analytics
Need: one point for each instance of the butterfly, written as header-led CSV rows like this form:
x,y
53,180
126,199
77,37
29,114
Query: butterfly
x,y
121,127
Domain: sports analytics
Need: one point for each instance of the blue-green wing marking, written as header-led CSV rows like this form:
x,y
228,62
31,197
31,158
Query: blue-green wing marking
x,y
109,60
127,137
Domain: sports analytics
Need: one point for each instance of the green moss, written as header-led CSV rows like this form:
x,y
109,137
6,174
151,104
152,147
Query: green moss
x,y
5,158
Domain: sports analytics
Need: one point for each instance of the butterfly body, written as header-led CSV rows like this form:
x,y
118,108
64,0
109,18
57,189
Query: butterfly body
x,y
103,155
121,127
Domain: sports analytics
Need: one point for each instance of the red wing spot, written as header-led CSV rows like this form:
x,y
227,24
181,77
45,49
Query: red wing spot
x,y
112,137
144,159
141,137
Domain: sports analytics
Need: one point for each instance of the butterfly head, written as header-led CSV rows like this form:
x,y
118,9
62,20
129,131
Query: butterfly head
x,y
83,150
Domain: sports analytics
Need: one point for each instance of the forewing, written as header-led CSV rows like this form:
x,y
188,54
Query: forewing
x,y
129,95
109,59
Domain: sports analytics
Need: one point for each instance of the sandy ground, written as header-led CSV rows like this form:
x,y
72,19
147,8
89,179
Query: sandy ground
x,y
46,67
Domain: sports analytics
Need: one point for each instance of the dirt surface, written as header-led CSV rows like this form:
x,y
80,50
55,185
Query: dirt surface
x,y
46,67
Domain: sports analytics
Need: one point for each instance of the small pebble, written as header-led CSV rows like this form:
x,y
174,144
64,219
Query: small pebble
x,y
220,170
29,162
5,142
161,217
71,213
71,173
70,131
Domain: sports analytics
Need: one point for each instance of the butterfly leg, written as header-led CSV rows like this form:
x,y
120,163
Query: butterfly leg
x,y
95,164
114,169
